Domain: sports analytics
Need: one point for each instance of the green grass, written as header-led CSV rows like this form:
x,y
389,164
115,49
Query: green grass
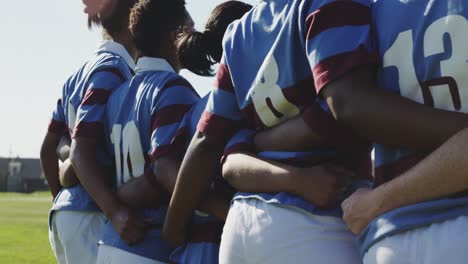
x,y
23,228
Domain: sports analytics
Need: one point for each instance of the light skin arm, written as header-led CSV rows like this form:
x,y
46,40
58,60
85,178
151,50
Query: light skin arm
x,y
49,162
320,185
442,173
373,114
94,179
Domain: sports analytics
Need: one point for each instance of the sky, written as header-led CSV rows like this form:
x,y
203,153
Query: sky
x,y
41,45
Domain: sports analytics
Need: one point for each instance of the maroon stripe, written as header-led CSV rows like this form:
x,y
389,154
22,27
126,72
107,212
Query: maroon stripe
x,y
114,71
388,172
56,127
223,79
337,14
178,83
252,117
208,232
217,127
176,147
96,97
89,130
301,93
169,115
334,67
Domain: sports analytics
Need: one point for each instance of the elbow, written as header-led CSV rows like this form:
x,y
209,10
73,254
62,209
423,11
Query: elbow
x,y
74,155
227,170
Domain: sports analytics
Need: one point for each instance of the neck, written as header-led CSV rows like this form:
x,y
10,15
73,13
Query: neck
x,y
125,39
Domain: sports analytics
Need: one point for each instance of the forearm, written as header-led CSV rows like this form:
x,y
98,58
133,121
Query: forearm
x,y
442,173
92,177
200,163
300,137
63,148
386,118
214,205
49,162
248,173
140,193
67,175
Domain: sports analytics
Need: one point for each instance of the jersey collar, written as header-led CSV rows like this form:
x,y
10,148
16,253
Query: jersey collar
x,y
152,64
118,49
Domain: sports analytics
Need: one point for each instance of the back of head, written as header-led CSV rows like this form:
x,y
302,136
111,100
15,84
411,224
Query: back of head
x,y
199,51
152,21
113,16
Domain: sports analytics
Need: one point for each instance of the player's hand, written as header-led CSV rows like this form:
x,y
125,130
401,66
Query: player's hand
x,y
130,226
173,237
324,185
67,175
360,209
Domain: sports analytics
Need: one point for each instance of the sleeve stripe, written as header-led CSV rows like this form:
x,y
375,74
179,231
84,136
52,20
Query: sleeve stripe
x,y
56,127
337,14
176,146
96,97
169,115
177,83
223,79
333,67
89,130
114,71
216,126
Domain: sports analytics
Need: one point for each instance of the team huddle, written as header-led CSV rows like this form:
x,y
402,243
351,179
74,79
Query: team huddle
x,y
273,165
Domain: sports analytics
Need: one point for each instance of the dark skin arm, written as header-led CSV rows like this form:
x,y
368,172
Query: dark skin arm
x,y
200,163
94,179
320,185
373,114
141,193
49,162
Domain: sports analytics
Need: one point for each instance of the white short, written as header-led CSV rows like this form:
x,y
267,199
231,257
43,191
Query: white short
x,y
445,242
259,232
113,255
74,236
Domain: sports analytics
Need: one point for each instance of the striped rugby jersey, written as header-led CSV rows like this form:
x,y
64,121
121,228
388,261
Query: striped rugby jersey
x,y
107,69
276,60
422,44
144,123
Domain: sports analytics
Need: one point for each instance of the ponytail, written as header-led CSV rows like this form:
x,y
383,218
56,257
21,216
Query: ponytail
x,y
194,53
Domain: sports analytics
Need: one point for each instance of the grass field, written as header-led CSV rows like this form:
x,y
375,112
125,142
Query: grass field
x,y
23,228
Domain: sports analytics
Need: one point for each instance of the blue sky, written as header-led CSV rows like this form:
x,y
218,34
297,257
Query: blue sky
x,y
42,43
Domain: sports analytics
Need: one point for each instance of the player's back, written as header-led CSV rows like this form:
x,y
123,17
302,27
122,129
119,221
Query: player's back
x,y
424,55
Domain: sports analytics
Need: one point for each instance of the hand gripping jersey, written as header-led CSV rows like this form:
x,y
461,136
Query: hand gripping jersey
x,y
88,89
423,45
277,58
143,122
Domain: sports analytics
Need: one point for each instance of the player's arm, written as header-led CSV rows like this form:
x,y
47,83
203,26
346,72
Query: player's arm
x,y
321,185
201,161
49,162
49,158
86,140
67,175
442,173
